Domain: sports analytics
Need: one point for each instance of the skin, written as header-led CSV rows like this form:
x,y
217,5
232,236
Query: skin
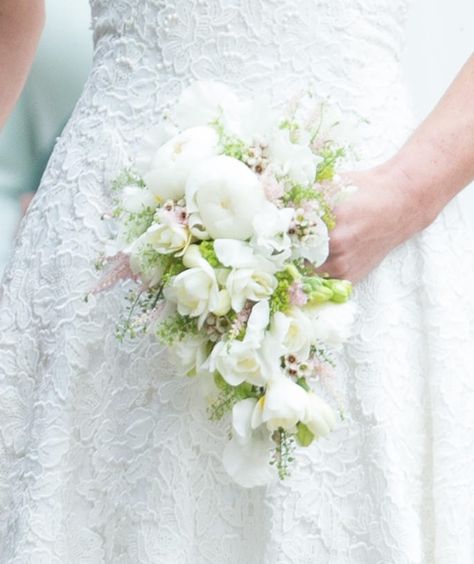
x,y
21,23
404,195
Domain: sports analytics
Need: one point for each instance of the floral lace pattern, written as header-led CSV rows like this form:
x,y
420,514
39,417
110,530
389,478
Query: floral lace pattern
x,y
106,455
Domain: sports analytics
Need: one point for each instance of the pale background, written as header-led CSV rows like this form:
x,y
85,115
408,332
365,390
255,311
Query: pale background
x,y
440,39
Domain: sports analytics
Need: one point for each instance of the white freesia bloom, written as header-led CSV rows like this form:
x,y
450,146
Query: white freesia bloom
x,y
293,330
247,455
319,417
283,405
190,354
332,322
173,161
287,158
202,102
167,238
195,290
226,195
152,140
239,361
271,230
249,284
315,248
252,276
135,199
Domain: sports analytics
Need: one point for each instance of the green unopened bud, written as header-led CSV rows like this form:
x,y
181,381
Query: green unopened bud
x,y
293,271
320,295
342,290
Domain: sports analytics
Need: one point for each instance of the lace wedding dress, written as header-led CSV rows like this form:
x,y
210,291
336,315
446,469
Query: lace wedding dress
x,y
106,456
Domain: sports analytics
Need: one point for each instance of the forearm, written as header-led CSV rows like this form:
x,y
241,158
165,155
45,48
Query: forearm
x,y
437,161
21,22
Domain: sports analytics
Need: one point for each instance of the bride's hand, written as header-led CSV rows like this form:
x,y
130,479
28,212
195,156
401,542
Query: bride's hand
x,y
380,215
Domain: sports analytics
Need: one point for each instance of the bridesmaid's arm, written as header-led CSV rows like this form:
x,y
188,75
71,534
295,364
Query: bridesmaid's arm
x,y
406,193
21,23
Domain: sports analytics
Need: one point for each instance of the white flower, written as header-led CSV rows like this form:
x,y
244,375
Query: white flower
x,y
332,322
283,405
135,199
319,417
247,455
167,238
173,161
287,158
195,290
153,139
237,362
202,102
248,284
190,354
251,277
294,331
271,230
252,121
314,247
242,361
226,195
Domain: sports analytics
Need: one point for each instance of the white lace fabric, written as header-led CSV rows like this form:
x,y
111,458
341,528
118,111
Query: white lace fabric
x,y
106,456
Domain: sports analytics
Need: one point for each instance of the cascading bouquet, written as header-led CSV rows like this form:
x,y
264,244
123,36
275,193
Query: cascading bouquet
x,y
222,222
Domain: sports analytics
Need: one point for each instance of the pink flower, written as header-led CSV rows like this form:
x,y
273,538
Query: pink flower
x,y
272,188
297,295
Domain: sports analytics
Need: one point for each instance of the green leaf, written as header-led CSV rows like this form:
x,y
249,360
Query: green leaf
x,y
304,436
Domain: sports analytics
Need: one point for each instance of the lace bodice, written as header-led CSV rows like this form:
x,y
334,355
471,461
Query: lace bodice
x,y
106,456
350,49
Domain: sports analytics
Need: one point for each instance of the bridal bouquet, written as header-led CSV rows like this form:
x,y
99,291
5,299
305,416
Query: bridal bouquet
x,y
221,224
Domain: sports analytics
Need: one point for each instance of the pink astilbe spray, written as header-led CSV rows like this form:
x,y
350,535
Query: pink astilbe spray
x,y
297,295
118,269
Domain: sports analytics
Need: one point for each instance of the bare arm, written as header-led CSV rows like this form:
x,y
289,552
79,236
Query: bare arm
x,y
21,23
406,193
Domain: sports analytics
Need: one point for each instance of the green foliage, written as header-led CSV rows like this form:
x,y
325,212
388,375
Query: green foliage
x,y
326,168
176,328
230,146
283,454
228,396
206,248
304,437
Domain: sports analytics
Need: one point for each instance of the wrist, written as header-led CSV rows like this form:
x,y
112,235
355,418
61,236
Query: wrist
x,y
414,187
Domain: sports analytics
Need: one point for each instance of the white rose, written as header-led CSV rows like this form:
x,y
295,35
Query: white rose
x,y
167,238
294,330
247,455
284,404
195,290
332,322
226,195
319,417
249,284
135,199
173,161
287,158
190,354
